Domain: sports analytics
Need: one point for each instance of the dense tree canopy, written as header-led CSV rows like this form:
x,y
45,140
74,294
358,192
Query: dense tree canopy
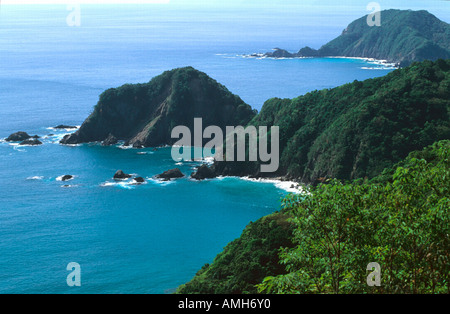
x,y
402,224
359,129
402,37
323,240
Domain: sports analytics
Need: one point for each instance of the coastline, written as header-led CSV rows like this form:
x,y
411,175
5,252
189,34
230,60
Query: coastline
x,y
385,63
279,182
288,186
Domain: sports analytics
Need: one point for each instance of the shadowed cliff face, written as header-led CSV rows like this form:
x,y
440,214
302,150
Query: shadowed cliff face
x,y
145,114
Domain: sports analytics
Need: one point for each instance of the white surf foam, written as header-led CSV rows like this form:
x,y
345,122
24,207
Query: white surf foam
x,y
160,182
36,178
288,186
121,184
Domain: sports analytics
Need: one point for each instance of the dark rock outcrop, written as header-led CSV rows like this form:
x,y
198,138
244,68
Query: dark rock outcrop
x,y
31,141
70,139
170,174
67,177
120,175
279,53
138,144
63,126
143,115
139,180
110,140
308,52
18,137
203,172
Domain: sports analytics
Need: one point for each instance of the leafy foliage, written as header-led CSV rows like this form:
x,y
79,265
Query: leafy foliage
x,y
402,224
359,129
245,261
404,36
147,113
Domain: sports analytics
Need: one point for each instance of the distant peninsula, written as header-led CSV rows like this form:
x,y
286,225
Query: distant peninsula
x,y
405,36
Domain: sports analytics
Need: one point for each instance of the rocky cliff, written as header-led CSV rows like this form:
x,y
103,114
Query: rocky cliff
x,y
144,115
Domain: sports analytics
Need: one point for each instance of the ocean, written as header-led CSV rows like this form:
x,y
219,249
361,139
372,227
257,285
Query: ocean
x,y
128,238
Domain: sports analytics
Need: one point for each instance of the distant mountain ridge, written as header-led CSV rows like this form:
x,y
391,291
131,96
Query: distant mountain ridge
x,y
405,36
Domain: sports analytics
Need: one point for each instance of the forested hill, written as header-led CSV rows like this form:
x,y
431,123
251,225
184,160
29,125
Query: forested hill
x,y
143,115
358,129
352,131
403,37
322,241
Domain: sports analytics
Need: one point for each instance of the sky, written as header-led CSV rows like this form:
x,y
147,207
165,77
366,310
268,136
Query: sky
x,y
440,8
237,2
6,2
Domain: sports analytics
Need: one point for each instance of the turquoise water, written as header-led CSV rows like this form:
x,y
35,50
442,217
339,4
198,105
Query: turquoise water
x,y
127,238
132,239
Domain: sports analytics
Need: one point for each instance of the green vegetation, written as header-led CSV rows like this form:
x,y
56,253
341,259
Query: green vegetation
x,y
403,225
247,260
145,114
403,37
377,202
358,129
373,206
326,238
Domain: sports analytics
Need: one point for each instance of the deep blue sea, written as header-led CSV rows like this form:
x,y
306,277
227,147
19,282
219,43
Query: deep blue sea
x,y
134,239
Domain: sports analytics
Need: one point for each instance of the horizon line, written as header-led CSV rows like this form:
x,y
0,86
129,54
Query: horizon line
x,y
71,2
